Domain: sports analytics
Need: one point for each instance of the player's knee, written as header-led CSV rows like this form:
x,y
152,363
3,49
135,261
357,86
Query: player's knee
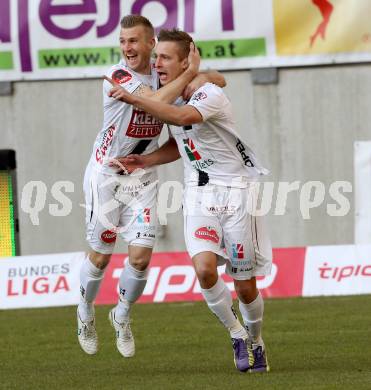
x,y
140,263
100,260
207,276
246,290
139,257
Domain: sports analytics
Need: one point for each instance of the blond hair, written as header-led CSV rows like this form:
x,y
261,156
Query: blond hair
x,y
129,21
181,38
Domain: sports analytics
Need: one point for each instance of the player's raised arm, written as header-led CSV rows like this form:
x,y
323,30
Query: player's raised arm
x,y
119,93
167,113
168,93
116,90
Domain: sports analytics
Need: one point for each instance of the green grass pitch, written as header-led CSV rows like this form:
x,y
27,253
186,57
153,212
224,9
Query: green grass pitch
x,y
312,343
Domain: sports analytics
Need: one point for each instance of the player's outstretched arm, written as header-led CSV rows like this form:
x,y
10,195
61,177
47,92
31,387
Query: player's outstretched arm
x,y
167,153
167,113
168,93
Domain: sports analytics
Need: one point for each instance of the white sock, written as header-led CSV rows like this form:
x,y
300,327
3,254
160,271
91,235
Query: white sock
x,y
252,314
90,280
219,300
132,283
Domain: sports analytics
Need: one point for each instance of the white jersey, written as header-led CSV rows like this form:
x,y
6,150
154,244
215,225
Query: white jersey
x,y
212,151
125,129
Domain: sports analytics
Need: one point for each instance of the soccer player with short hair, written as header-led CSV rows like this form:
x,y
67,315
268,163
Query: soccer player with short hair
x,y
220,173
118,203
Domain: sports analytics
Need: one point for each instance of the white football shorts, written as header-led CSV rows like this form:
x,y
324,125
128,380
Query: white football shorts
x,y
221,219
124,206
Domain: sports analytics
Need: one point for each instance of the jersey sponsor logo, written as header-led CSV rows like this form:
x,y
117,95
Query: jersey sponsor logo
x,y
207,233
225,210
144,216
201,165
143,125
121,76
132,189
105,144
108,237
237,251
194,156
242,150
190,149
145,235
235,269
199,96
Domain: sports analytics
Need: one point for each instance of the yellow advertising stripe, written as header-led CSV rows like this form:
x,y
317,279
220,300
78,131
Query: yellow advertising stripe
x,y
322,26
5,217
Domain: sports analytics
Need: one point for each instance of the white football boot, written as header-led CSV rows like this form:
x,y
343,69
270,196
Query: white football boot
x,y
124,337
87,335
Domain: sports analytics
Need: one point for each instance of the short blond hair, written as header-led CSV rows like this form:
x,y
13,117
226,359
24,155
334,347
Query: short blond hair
x,y
181,38
129,21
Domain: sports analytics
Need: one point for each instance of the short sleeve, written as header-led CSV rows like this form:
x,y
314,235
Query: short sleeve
x,y
208,100
123,77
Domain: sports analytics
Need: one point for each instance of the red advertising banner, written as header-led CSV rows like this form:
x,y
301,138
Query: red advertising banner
x,y
290,268
54,280
172,278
